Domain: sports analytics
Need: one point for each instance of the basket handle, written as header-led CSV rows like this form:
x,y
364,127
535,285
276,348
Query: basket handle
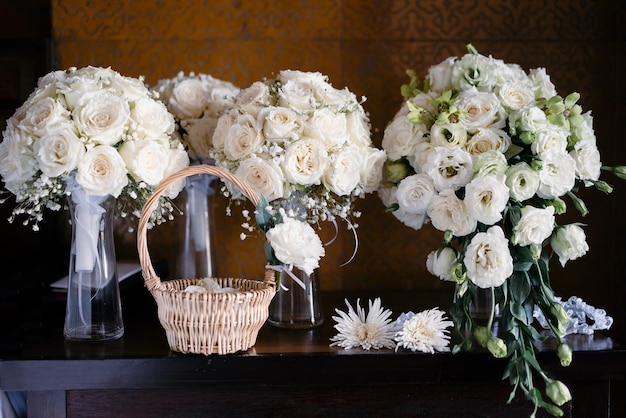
x,y
150,277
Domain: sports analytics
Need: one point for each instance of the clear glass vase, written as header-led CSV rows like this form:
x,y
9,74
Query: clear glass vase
x,y
297,303
195,258
93,311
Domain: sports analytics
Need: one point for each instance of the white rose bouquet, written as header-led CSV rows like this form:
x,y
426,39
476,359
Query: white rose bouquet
x,y
89,132
302,144
485,152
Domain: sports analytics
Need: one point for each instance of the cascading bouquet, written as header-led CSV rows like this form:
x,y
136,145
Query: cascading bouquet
x,y
196,101
303,145
89,133
485,152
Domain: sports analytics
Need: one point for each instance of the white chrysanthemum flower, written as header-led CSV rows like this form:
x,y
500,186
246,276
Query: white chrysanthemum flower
x,y
425,331
355,329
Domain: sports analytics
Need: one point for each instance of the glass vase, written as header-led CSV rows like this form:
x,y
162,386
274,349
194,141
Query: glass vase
x,y
195,258
297,303
93,311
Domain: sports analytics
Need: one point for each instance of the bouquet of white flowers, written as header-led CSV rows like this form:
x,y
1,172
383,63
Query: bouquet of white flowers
x,y
302,144
91,131
485,152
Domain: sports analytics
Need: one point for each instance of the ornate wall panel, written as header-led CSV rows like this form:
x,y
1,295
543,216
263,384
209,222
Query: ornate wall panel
x,y
367,46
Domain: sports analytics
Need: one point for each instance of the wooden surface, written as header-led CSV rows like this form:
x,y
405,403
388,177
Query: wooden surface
x,y
286,373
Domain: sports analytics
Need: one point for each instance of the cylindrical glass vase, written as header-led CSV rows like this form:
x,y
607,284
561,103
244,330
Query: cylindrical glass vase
x,y
93,310
297,303
195,258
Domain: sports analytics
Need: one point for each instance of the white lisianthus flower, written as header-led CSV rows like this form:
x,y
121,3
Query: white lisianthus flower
x,y
415,192
534,226
450,168
425,331
490,163
305,162
550,138
487,259
343,172
583,131
441,262
479,110
450,135
295,243
557,175
145,160
412,220
587,158
328,127
242,138
486,197
569,242
422,153
440,75
542,85
522,180
488,139
264,177
58,152
358,329
401,138
474,70
528,119
102,117
516,94
199,136
102,171
279,124
448,213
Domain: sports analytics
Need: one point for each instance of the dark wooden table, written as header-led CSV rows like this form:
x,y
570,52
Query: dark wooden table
x,y
287,373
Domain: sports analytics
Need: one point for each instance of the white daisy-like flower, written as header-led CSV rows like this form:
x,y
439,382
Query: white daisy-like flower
x,y
425,331
355,329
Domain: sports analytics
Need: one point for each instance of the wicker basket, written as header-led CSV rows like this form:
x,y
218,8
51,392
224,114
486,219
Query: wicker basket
x,y
205,323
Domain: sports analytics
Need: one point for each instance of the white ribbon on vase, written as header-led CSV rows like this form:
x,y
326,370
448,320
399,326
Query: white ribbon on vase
x,y
288,269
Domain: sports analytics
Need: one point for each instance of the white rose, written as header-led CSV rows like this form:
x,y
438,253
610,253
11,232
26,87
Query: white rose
x,y
43,116
359,128
130,87
522,180
305,162
243,138
371,172
145,160
486,197
490,162
449,168
480,110
304,77
487,259
222,128
279,123
543,87
335,98
297,96
199,137
534,226
401,138
152,119
328,127
488,139
343,172
439,75
448,213
102,117
264,177
178,159
440,263
557,175
422,153
415,192
451,135
516,94
102,172
588,163
59,151
188,99
16,165
550,138
295,243
253,99
569,243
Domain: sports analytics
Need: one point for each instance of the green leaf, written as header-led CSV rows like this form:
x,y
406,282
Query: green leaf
x,y
519,286
519,312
